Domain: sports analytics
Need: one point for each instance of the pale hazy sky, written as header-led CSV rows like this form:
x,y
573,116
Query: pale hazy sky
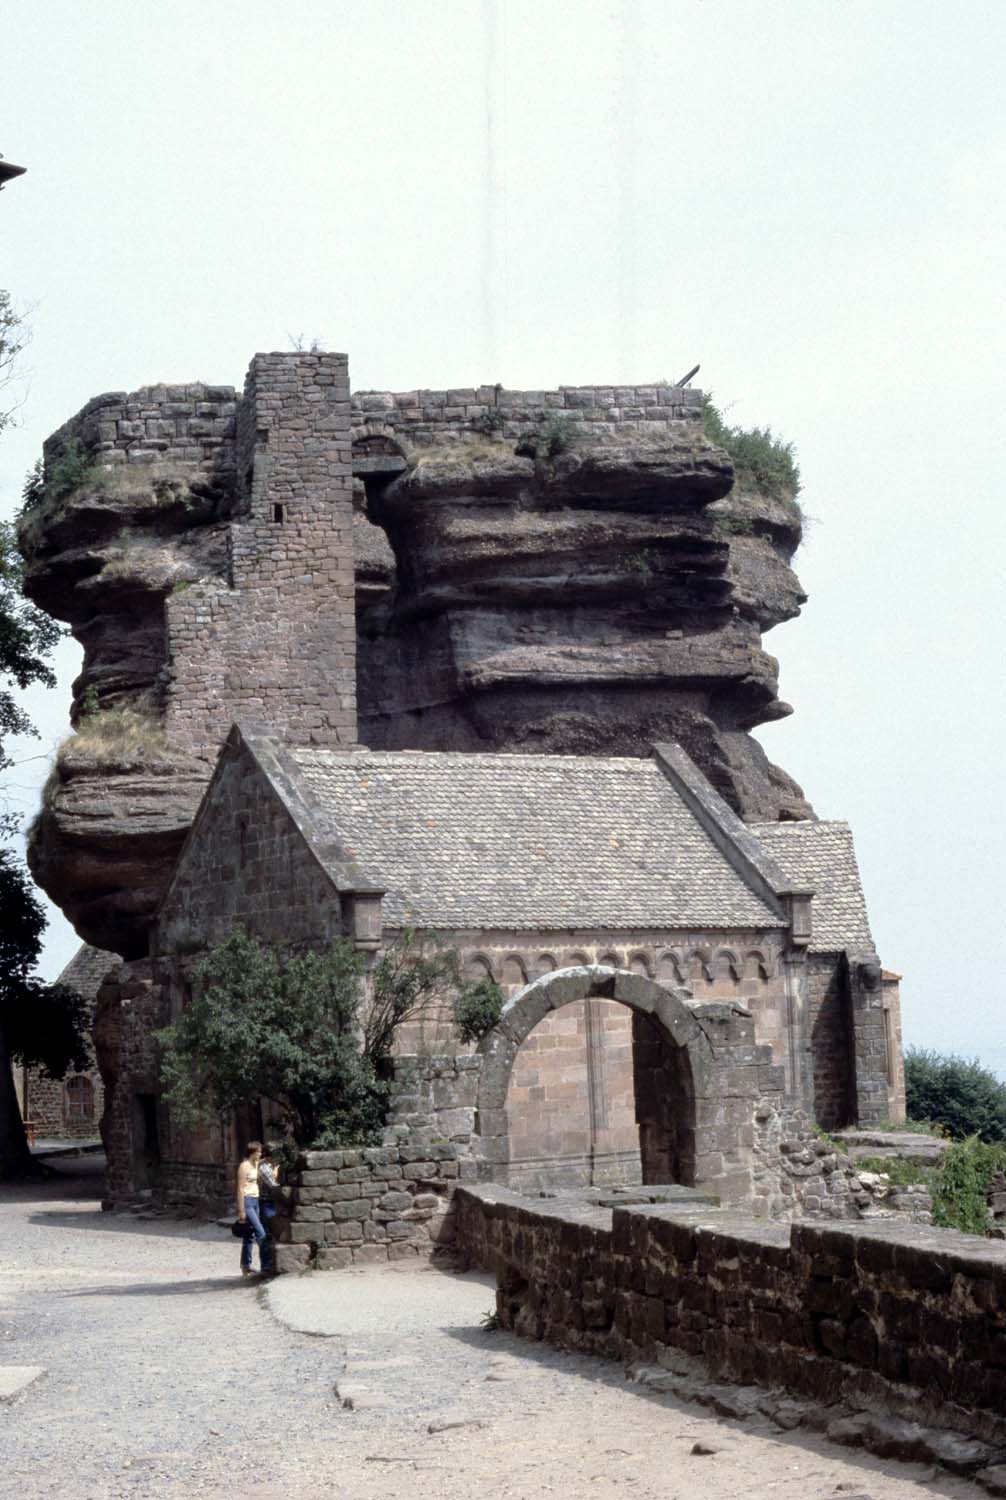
x,y
804,195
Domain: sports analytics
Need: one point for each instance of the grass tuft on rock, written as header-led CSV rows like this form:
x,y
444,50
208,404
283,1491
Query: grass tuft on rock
x,y
758,455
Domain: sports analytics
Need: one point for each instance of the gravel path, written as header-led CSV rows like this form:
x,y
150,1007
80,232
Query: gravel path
x,y
169,1376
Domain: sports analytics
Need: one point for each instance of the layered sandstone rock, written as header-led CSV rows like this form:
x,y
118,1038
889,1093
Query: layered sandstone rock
x,y
586,604
584,601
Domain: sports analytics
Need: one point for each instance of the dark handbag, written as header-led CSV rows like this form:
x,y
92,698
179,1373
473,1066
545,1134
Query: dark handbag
x,y
240,1228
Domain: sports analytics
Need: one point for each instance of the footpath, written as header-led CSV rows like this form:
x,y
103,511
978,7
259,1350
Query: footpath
x,y
164,1374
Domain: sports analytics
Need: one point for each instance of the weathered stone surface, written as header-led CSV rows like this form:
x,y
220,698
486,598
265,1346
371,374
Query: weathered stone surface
x,y
584,605
588,603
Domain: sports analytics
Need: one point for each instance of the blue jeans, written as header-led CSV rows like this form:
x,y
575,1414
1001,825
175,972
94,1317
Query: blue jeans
x,y
255,1230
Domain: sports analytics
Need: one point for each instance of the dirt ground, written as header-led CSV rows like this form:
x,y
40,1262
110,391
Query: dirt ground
x,y
167,1375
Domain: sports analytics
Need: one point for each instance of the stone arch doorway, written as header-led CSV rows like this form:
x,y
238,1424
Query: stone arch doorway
x,y
672,1062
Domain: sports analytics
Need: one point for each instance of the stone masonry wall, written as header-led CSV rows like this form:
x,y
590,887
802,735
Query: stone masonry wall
x,y
829,1028
372,1205
571,1102
251,866
189,424
69,1108
196,423
899,1317
423,418
277,648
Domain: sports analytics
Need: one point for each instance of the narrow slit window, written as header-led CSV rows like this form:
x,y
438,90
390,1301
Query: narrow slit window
x,y
278,514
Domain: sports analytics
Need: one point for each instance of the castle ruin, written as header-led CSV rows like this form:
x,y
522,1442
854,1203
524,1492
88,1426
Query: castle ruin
x,y
347,655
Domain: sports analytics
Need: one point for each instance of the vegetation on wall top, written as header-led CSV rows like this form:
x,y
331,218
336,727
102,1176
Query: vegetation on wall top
x,y
757,454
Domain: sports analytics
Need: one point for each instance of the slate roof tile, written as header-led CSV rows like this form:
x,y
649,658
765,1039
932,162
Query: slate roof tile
x,y
525,841
86,970
821,855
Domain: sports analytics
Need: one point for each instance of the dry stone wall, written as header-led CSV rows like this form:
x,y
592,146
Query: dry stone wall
x,y
893,1317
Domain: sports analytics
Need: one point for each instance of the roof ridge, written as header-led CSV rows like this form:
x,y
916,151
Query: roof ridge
x,y
632,763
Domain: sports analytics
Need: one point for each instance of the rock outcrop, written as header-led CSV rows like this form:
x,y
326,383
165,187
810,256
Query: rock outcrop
x,y
585,594
588,604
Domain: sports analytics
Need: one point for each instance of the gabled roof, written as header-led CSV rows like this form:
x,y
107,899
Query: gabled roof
x,y
86,970
524,841
822,856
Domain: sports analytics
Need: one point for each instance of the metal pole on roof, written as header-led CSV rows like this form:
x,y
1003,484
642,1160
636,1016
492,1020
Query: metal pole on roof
x,y
8,171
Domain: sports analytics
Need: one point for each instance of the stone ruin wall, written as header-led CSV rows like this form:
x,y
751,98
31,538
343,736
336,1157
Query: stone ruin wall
x,y
63,1108
851,1320
190,424
572,1099
276,645
420,419
198,424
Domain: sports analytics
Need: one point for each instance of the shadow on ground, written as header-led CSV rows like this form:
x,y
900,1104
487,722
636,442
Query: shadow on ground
x,y
192,1288
594,1370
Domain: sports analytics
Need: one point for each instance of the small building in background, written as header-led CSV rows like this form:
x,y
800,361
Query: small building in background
x,y
69,1108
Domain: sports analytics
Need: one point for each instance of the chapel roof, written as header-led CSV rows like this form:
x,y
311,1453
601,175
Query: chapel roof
x,y
525,841
822,856
86,970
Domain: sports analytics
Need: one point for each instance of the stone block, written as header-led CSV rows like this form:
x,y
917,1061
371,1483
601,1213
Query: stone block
x,y
306,1234
370,1255
395,1201
292,1257
334,1257
398,1229
402,1251
353,1208
324,1160
312,1213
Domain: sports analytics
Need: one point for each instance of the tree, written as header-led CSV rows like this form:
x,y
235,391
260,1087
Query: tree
x,y
289,1029
39,1023
27,636
961,1096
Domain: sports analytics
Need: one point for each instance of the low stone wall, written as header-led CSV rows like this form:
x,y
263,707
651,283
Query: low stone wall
x,y
371,1205
902,1318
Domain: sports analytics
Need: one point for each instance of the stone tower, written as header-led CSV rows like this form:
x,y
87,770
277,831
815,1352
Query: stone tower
x,y
275,642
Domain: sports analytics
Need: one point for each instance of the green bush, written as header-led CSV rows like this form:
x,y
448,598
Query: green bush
x,y
289,1028
902,1173
962,1182
74,466
555,436
960,1096
477,1009
757,454
261,1027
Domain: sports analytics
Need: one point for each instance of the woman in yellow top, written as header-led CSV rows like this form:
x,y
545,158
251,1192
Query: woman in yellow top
x,y
248,1212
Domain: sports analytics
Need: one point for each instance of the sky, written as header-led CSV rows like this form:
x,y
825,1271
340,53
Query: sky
x,y
804,196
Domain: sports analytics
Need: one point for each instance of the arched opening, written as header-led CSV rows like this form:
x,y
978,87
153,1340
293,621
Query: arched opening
x,y
591,1077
